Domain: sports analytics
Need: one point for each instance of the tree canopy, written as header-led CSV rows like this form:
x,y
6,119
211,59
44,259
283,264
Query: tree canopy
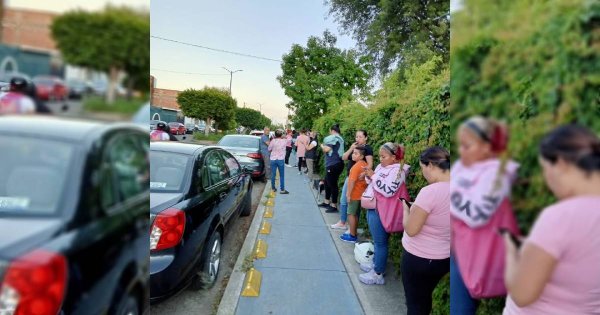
x,y
209,104
320,76
251,118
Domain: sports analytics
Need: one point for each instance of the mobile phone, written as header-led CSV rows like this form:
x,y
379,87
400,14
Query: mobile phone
x,y
408,203
513,237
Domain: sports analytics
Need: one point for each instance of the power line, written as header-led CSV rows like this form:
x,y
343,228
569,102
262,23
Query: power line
x,y
194,73
215,49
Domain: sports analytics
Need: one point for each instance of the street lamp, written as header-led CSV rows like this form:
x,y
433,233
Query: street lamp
x,y
231,77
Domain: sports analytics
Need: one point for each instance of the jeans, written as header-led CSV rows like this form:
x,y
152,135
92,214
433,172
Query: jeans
x,y
380,238
461,302
277,165
344,203
267,162
420,276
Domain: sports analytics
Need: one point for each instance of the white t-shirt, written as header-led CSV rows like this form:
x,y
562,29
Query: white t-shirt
x,y
16,103
159,135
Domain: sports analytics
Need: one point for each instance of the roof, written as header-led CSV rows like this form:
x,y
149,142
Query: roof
x,y
245,136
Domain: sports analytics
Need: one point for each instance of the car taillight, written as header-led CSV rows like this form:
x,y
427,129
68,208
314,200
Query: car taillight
x,y
167,229
34,284
254,155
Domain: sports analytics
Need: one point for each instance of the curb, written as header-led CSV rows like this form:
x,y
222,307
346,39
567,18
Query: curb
x,y
229,301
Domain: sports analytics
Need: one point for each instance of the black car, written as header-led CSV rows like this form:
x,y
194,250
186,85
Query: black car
x,y
246,149
73,217
194,191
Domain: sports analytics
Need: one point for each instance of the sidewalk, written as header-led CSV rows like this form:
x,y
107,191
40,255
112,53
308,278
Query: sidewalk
x,y
307,268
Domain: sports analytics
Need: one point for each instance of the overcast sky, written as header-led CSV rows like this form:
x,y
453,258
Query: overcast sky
x,y
265,28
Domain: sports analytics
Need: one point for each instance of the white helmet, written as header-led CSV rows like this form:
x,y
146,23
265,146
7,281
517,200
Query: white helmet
x,y
363,252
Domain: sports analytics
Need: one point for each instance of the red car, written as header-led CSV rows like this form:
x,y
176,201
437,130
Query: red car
x,y
177,128
51,88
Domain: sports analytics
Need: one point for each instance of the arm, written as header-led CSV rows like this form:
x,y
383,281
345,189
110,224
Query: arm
x,y
325,148
347,154
311,146
369,159
351,184
414,219
527,271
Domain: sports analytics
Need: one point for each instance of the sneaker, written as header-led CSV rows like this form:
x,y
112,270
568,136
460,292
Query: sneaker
x,y
371,277
287,165
323,205
274,190
366,267
339,226
348,238
284,192
331,209
299,173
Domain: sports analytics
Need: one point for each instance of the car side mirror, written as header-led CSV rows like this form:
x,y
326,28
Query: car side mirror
x,y
247,170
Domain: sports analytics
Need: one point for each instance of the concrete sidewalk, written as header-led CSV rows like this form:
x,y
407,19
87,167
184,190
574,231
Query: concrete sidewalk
x,y
307,270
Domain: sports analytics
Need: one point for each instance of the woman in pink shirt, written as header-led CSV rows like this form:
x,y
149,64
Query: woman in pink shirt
x,y
277,155
301,144
557,270
426,239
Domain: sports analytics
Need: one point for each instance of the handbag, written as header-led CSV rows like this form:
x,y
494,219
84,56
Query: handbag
x,y
368,200
391,211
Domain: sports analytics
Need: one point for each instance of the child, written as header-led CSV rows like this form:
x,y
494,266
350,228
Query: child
x,y
356,187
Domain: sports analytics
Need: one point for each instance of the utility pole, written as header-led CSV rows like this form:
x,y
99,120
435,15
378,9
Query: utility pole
x,y
260,107
231,77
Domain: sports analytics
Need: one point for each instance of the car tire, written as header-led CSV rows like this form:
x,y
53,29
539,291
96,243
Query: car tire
x,y
247,207
127,305
210,264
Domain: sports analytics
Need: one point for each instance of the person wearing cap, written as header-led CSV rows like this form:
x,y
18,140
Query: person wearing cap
x,y
160,133
16,101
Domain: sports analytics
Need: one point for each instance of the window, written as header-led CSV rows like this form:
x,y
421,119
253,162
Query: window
x,y
216,168
232,164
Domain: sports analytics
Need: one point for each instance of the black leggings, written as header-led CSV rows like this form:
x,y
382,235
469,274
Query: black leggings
x,y
301,163
331,181
288,151
420,276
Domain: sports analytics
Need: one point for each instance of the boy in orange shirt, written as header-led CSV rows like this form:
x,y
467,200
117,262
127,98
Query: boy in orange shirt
x,y
356,187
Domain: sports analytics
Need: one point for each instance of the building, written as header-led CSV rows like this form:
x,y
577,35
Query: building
x,y
164,105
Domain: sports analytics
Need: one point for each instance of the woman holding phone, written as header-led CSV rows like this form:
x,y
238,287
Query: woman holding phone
x,y
557,269
426,239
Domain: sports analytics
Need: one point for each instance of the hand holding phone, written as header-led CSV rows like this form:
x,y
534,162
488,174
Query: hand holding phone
x,y
513,238
408,203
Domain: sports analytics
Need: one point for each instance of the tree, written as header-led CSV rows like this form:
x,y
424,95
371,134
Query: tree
x,y
320,76
209,104
251,118
112,41
387,30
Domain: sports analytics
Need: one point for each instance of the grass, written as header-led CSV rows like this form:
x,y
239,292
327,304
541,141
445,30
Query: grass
x,y
248,262
121,105
215,137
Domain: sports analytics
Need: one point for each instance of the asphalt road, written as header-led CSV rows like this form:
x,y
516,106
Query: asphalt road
x,y
70,108
207,301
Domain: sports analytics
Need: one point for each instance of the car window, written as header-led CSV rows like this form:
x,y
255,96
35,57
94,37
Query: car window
x,y
216,168
167,171
129,163
231,163
240,142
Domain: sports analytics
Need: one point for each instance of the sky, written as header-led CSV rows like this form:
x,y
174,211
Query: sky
x,y
66,5
266,28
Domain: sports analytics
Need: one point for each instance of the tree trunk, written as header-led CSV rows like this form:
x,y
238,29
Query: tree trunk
x,y
207,126
112,85
130,83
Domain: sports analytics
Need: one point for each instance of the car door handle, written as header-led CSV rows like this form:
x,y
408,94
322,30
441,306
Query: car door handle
x,y
222,196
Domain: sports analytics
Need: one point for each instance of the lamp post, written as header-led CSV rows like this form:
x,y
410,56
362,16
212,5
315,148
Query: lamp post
x,y
231,77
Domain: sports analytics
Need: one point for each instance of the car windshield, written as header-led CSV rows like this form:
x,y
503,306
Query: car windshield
x,y
174,124
167,171
34,175
43,81
239,142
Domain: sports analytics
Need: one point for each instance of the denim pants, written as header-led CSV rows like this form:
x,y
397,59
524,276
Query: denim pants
x,y
461,302
380,238
277,165
344,203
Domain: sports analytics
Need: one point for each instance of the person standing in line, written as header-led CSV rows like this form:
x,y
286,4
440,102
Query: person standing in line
x,y
426,239
557,268
302,143
356,187
264,151
311,156
333,148
288,147
277,150
360,139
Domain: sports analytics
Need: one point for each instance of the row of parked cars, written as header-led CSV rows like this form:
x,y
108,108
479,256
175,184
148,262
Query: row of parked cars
x,y
178,128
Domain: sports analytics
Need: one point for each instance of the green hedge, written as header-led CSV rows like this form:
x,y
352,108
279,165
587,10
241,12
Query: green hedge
x,y
534,64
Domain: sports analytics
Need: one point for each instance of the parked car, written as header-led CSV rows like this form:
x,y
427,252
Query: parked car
x,y
177,128
74,217
50,88
190,128
246,149
78,89
194,192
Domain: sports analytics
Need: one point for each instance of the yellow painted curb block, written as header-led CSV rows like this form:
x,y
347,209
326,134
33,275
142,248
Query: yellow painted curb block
x,y
252,283
260,251
270,202
268,212
271,194
265,228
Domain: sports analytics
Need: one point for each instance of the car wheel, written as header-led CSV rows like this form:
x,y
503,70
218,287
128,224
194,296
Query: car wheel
x,y
207,276
127,306
247,208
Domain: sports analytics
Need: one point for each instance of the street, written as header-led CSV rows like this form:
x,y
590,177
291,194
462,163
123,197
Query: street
x,y
70,108
207,301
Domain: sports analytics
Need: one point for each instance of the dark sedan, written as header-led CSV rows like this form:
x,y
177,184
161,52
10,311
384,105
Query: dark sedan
x,y
247,150
194,191
73,217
